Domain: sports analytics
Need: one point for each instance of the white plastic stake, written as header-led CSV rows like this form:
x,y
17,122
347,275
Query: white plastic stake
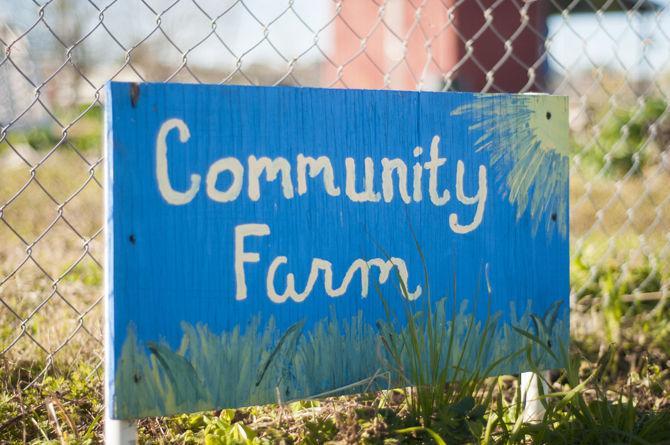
x,y
533,410
117,432
120,432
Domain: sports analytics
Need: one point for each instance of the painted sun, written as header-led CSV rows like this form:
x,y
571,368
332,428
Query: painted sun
x,y
527,140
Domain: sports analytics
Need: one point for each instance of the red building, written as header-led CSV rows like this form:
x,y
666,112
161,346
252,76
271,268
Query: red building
x,y
468,45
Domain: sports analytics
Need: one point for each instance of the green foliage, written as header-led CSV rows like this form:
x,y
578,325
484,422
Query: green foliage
x,y
87,272
441,384
422,429
607,286
85,134
583,412
64,407
444,363
625,138
318,431
595,277
41,138
223,430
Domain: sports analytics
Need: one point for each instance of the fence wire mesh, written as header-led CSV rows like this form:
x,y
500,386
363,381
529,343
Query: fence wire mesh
x,y
609,57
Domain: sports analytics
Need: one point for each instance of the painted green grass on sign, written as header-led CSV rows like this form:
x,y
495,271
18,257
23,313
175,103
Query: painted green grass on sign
x,y
259,364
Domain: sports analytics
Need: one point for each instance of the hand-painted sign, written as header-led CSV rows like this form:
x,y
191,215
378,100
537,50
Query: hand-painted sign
x,y
256,235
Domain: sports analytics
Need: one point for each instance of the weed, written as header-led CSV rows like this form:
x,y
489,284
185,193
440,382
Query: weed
x,y
584,411
622,143
64,406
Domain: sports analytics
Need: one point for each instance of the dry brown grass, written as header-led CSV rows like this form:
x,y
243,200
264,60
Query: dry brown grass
x,y
51,251
620,207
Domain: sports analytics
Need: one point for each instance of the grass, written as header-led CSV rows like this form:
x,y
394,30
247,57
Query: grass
x,y
368,418
445,363
52,274
584,411
50,263
583,406
66,404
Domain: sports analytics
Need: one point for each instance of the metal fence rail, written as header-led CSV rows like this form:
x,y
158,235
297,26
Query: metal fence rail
x,y
610,57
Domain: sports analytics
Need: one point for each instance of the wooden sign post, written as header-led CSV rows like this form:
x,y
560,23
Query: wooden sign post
x,y
255,234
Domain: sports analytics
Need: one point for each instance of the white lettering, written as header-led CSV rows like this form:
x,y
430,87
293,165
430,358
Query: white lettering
x,y
359,265
272,168
313,167
388,166
385,268
290,291
432,166
479,199
242,257
316,166
417,170
368,194
235,167
171,195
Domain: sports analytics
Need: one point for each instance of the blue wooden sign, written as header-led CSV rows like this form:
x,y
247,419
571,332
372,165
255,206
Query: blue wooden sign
x,y
261,239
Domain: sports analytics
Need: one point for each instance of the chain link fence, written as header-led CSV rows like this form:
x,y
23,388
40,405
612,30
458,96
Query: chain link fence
x,y
609,57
